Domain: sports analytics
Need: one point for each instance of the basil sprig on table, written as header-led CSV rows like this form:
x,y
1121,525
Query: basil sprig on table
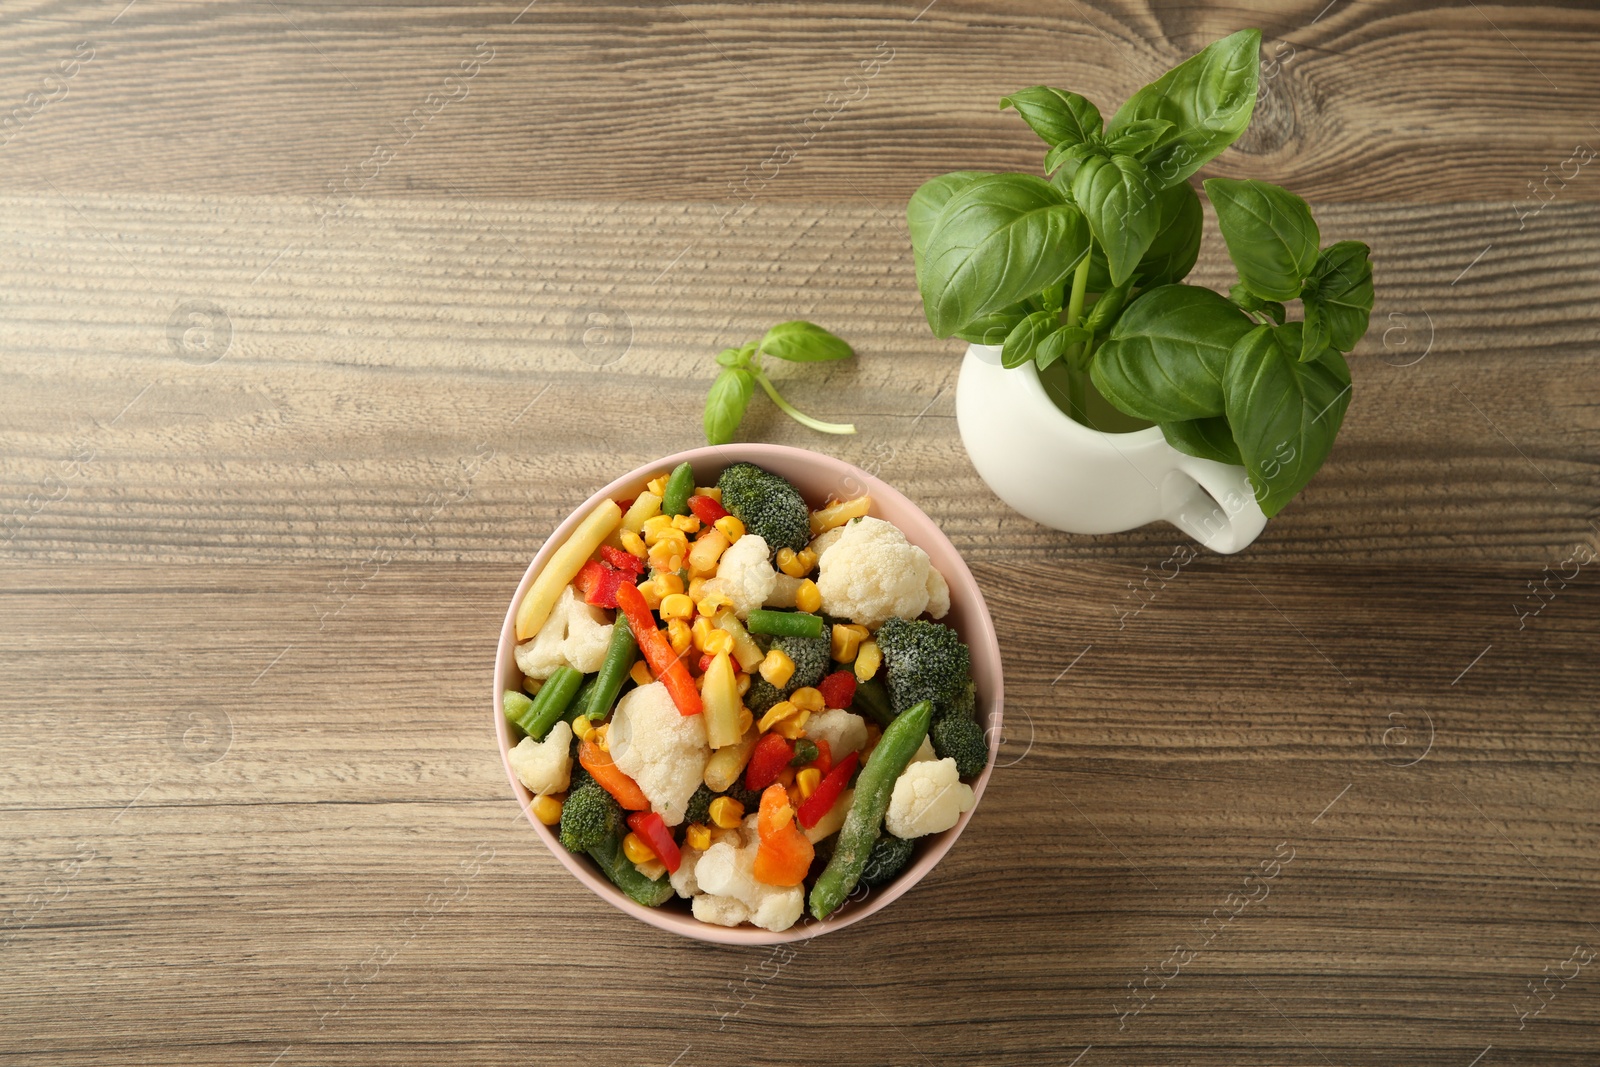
x,y
1084,266
735,385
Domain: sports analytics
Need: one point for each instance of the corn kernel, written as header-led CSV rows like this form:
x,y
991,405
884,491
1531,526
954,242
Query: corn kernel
x,y
718,640
632,542
776,668
697,592
651,527
807,698
711,603
636,850
794,796
666,556
697,836
687,523
582,727
806,559
783,709
727,812
792,727
843,643
601,736
732,527
786,777
680,637
651,591
676,606
640,673
868,660
657,485
712,491
807,597
531,686
860,631
808,780
669,582
699,630
746,719
789,563
547,809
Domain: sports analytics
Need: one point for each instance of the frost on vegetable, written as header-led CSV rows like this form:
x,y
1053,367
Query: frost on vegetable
x,y
575,635
745,575
845,731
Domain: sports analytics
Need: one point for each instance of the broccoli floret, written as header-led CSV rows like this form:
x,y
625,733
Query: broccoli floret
x,y
811,661
965,704
590,817
961,739
888,857
699,807
923,661
767,504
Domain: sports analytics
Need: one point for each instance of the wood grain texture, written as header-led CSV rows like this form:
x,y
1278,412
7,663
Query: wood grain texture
x,y
280,426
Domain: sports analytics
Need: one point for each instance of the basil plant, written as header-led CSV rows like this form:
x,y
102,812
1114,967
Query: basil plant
x,y
1085,266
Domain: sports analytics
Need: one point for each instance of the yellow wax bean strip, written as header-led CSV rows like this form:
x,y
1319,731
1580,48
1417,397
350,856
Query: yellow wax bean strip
x,y
563,566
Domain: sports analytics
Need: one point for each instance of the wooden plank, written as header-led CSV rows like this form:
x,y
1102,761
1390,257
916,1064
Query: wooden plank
x,y
1386,101
413,381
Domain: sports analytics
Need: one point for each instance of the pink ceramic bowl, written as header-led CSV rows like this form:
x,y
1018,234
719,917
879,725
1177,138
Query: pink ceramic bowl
x,y
817,477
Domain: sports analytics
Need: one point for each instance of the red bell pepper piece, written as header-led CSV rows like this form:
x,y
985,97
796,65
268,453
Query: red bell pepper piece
x,y
705,509
770,756
664,663
838,689
622,559
826,795
653,832
598,582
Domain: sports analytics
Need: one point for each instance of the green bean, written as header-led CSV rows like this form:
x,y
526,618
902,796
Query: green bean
x,y
680,486
873,702
580,703
554,698
515,705
626,877
784,623
613,670
864,821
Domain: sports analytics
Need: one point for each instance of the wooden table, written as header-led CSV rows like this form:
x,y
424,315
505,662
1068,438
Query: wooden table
x,y
316,319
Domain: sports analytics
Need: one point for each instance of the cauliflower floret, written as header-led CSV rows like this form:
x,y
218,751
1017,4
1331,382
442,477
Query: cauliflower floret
x,y
845,731
544,766
683,879
730,894
575,635
938,594
824,541
924,753
872,573
665,752
928,798
744,575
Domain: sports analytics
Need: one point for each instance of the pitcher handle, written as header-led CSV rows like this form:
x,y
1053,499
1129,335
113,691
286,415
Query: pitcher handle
x,y
1218,507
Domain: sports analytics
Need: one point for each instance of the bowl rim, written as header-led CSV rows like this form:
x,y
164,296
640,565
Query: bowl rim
x,y
978,632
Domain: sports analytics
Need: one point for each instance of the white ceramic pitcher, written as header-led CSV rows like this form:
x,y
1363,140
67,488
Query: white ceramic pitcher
x,y
1057,471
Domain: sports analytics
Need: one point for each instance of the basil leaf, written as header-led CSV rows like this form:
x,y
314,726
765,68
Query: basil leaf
x,y
1314,333
1176,247
1284,413
1270,233
732,357
725,404
804,342
1166,356
1069,155
1341,286
1053,346
1056,115
1107,308
922,210
1052,298
1208,98
1244,299
991,329
1117,198
998,240
1138,135
1022,339
1275,311
1207,438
